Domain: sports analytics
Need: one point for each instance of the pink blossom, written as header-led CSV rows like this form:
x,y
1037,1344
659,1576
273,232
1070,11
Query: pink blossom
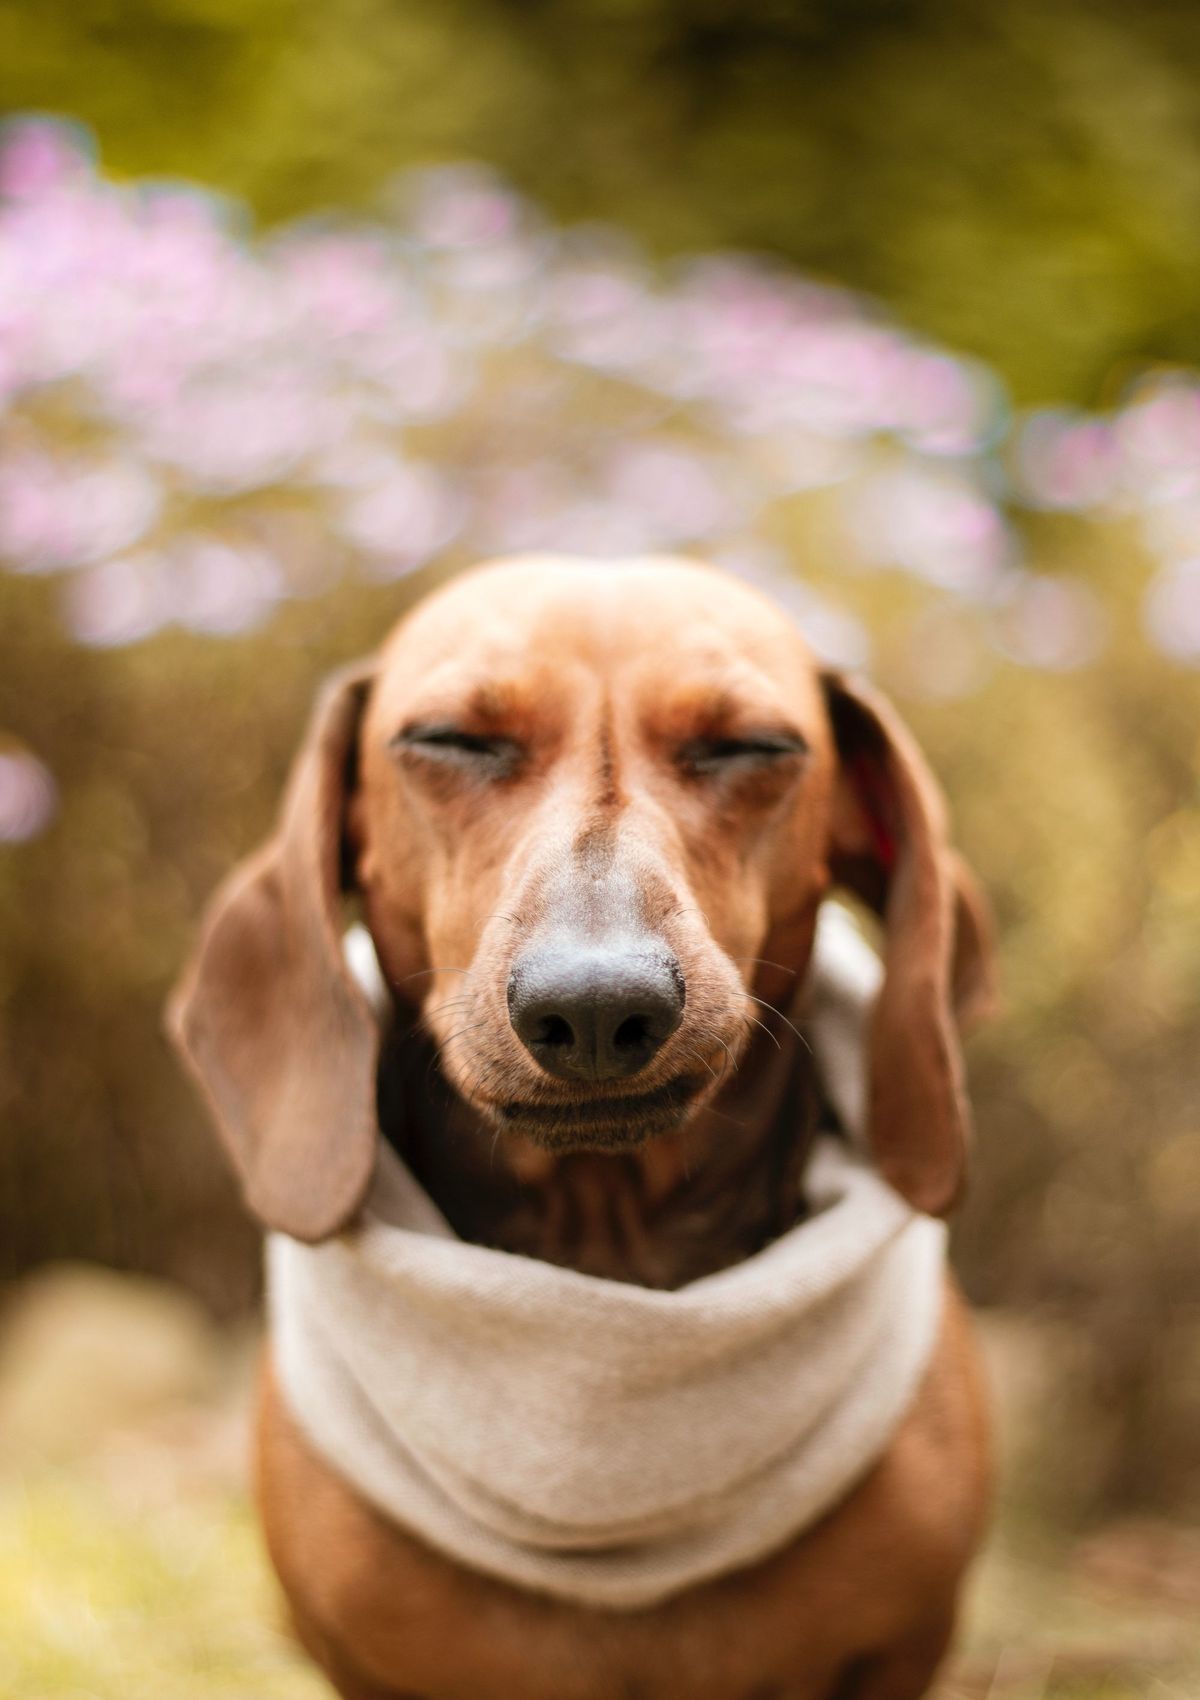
x,y
220,588
201,421
400,523
1067,461
1172,610
461,207
1051,623
39,155
28,796
119,601
935,525
1159,434
681,495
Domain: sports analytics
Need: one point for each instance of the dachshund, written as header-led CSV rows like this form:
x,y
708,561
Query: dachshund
x,y
588,814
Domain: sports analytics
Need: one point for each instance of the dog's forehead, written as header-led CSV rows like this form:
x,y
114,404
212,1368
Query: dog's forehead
x,y
529,614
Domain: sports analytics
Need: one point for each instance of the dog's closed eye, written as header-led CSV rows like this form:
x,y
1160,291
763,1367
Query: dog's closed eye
x,y
729,755
486,755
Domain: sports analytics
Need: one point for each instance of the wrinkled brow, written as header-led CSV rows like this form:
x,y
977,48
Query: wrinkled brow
x,y
747,700
455,693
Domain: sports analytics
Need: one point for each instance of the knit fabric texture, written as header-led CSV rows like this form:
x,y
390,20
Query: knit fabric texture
x,y
600,1442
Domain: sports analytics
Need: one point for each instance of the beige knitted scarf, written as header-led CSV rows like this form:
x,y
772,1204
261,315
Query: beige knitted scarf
x,y
606,1443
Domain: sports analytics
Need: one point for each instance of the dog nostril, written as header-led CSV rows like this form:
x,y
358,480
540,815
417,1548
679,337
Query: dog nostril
x,y
553,1030
633,1034
595,1010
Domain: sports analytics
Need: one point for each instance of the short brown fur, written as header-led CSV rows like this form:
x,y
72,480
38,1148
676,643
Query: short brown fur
x,y
603,681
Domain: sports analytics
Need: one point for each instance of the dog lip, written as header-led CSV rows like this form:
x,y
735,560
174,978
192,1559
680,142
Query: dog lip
x,y
599,1112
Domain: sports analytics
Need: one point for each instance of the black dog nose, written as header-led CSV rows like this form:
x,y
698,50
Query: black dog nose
x,y
595,1011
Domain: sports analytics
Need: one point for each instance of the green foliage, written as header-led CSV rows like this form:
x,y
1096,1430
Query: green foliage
x,y
1021,180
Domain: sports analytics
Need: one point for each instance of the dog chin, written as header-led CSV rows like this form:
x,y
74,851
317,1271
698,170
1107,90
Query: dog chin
x,y
601,1124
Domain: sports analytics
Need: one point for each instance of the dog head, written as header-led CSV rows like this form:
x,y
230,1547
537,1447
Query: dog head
x,y
591,813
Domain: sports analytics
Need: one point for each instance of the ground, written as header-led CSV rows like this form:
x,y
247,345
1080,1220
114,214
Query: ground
x,y
130,1567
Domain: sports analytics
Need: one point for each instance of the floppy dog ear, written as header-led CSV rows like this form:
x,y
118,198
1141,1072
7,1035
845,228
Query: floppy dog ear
x,y
267,1016
891,847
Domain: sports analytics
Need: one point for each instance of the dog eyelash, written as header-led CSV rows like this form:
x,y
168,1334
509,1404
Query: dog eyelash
x,y
451,745
719,755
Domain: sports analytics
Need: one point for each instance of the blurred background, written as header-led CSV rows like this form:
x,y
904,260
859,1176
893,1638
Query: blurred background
x,y
890,306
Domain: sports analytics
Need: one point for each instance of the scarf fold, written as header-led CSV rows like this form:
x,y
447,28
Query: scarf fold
x,y
604,1443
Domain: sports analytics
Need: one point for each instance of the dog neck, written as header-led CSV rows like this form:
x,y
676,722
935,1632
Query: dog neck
x,y
681,1206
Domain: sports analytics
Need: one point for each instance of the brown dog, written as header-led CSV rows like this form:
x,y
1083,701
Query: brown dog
x,y
590,813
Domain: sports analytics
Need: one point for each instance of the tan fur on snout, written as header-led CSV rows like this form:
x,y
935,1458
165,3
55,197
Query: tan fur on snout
x,y
550,750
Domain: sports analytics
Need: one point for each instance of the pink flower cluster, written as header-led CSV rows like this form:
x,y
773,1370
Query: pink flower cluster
x,y
457,376
197,421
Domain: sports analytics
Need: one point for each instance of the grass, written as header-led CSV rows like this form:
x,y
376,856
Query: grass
x,y
103,1604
